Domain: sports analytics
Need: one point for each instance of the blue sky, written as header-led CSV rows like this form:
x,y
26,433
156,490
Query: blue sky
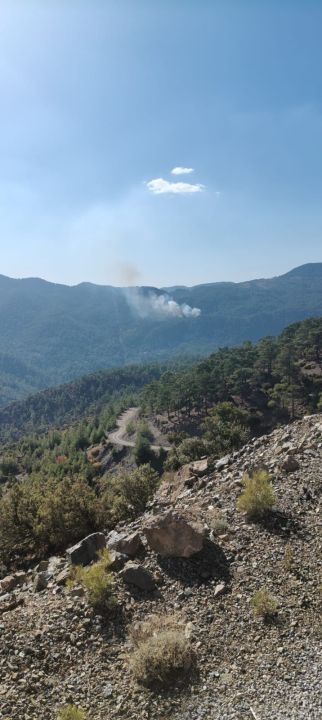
x,y
101,100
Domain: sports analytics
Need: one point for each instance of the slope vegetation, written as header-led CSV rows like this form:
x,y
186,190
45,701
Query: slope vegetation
x,y
59,482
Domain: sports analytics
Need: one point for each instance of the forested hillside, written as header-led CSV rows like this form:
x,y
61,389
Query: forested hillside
x,y
238,392
65,404
54,489
51,334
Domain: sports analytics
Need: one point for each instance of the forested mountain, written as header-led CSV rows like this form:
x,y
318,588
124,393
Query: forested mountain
x,y
245,389
50,334
209,408
65,404
273,380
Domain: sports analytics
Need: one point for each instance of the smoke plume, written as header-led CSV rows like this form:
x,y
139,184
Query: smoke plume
x,y
147,303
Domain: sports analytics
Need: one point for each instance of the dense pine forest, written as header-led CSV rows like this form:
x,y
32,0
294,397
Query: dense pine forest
x,y
52,488
282,374
238,392
68,403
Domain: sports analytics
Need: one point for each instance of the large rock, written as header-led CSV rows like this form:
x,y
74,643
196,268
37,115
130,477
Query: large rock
x,y
200,467
117,561
134,574
290,464
222,463
128,544
41,581
174,534
87,549
62,577
10,582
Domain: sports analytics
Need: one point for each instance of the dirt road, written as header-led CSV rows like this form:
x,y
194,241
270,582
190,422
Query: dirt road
x,y
117,437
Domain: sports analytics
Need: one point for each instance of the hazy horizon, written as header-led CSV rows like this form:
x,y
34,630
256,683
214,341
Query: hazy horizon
x,y
159,287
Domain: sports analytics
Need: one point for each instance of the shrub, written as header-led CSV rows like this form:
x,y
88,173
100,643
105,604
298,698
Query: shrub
x,y
8,467
139,486
142,450
226,428
131,427
126,494
144,430
162,652
191,449
71,712
257,498
46,513
264,605
97,581
188,450
172,462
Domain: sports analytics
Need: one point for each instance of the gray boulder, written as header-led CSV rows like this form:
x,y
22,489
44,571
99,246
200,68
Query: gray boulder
x,y
222,463
87,549
117,561
134,574
41,581
174,534
62,577
128,544
200,467
10,582
290,464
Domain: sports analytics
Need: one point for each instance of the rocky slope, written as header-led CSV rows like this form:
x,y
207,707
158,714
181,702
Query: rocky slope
x,y
54,649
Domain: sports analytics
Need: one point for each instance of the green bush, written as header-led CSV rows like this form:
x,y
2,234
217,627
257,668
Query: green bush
x,y
71,712
142,450
8,467
125,494
172,462
97,582
264,605
144,430
257,498
131,427
162,651
48,514
226,428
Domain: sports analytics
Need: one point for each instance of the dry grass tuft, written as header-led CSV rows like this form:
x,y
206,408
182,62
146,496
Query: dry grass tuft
x,y
264,605
217,522
71,712
257,498
97,581
162,651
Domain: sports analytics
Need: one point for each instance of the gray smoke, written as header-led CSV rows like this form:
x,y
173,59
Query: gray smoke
x,y
149,304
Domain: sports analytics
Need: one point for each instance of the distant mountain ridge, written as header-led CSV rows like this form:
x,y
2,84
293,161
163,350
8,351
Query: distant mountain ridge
x,y
52,333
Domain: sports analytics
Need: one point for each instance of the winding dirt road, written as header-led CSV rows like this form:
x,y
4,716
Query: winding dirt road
x,y
117,437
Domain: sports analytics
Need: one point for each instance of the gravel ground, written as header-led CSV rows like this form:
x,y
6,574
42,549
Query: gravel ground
x,y
54,649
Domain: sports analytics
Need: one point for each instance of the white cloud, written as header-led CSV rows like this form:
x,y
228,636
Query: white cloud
x,y
159,186
181,171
